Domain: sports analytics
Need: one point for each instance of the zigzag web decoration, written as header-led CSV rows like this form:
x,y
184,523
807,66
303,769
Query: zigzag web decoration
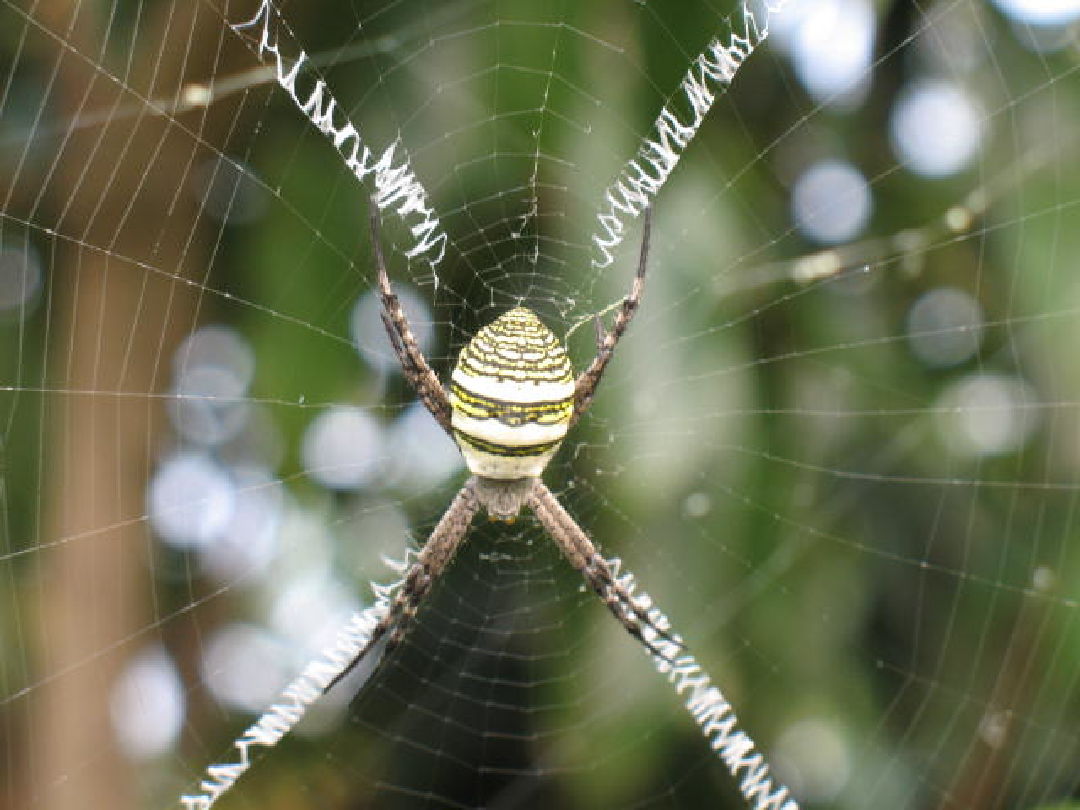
x,y
304,690
706,80
709,708
396,185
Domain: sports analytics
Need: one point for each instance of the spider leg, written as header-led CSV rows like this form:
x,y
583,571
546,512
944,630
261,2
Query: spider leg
x,y
413,364
421,577
583,555
395,341
586,383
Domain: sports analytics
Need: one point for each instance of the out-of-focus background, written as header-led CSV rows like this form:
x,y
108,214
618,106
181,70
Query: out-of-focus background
x,y
839,444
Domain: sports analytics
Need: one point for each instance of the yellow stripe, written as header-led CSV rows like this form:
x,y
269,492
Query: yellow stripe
x,y
508,451
476,406
508,355
518,347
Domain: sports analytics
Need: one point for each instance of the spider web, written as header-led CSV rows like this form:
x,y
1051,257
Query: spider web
x,y
838,444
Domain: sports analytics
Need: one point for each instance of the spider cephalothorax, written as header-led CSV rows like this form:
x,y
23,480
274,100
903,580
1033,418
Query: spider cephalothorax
x,y
512,398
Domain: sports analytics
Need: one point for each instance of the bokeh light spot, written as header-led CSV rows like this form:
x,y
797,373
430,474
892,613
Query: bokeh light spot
x,y
343,448
147,704
936,129
987,414
830,202
370,336
20,280
191,499
245,666
831,44
945,327
818,755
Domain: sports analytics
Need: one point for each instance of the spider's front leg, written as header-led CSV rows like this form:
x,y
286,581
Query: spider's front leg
x,y
413,363
430,563
585,385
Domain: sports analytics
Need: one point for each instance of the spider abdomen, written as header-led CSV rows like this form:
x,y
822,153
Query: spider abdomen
x,y
512,396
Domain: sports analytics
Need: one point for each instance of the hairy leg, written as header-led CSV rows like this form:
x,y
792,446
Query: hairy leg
x,y
413,364
606,341
584,556
429,565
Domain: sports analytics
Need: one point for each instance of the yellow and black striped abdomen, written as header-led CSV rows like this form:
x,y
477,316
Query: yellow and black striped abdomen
x,y
512,395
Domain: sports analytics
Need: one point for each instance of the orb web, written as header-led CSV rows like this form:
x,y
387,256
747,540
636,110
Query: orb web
x,y
838,444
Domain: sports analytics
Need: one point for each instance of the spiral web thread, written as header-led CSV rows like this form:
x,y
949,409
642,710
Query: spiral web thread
x,y
706,80
396,185
302,692
707,705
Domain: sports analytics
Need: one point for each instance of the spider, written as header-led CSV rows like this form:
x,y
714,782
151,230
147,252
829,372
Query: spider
x,y
512,399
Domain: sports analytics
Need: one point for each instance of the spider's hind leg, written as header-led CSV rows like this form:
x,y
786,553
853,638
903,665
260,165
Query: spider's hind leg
x,y
421,576
584,556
